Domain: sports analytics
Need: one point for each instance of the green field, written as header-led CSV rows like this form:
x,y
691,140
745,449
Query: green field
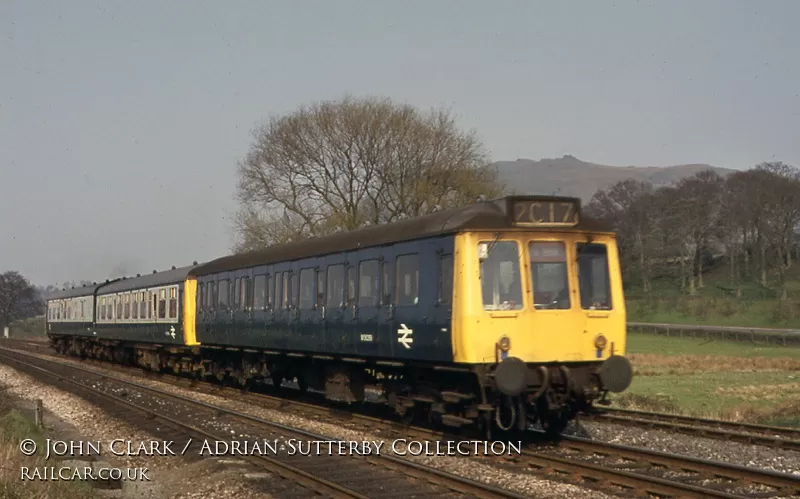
x,y
27,328
716,302
714,378
14,427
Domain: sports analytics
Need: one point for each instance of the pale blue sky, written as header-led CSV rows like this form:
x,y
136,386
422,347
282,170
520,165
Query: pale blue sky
x,y
121,122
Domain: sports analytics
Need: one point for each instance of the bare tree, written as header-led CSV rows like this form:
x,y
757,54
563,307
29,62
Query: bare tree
x,y
782,215
345,164
627,205
18,298
699,199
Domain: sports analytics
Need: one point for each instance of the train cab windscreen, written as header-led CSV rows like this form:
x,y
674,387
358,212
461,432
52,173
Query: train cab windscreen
x,y
500,275
593,276
549,275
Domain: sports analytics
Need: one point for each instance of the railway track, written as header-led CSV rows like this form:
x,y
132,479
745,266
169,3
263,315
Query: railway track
x,y
607,467
772,436
364,476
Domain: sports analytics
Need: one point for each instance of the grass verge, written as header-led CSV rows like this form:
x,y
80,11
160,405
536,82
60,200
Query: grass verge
x,y
714,378
14,427
33,327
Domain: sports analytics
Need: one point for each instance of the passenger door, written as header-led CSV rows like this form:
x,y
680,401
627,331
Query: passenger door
x,y
368,309
334,313
386,331
260,303
309,314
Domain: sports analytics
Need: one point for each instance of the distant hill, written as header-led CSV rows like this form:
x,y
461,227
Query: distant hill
x,y
569,176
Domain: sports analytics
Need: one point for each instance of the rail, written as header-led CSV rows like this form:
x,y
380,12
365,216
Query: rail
x,y
740,333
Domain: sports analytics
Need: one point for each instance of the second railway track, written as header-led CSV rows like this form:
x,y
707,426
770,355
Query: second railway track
x,y
608,467
772,436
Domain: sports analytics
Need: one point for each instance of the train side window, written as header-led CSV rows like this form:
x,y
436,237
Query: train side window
x,y
237,294
126,303
335,285
278,289
306,289
153,312
320,288
118,299
446,279
173,303
287,291
407,284
211,304
201,297
247,294
135,305
142,305
386,283
162,303
351,286
223,288
293,290
270,294
102,314
368,283
260,292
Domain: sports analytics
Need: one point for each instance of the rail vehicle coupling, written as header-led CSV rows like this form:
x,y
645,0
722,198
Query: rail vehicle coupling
x,y
550,395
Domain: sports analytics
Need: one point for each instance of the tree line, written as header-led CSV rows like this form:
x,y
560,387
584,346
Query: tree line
x,y
747,220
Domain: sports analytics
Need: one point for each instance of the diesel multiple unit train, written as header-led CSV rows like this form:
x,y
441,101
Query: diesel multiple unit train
x,y
494,315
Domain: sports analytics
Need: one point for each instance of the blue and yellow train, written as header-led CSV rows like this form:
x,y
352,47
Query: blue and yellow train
x,y
498,314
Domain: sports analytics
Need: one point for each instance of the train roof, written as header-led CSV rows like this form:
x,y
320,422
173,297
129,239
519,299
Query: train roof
x,y
492,215
146,281
75,292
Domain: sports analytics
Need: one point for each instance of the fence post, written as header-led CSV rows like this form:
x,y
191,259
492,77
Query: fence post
x,y
38,420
